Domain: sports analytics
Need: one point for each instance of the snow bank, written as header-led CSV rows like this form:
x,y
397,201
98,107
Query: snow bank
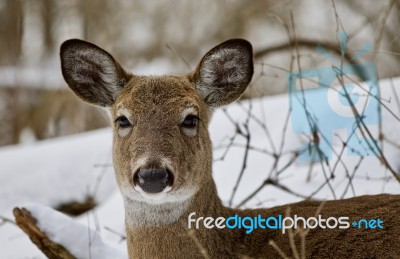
x,y
82,241
56,171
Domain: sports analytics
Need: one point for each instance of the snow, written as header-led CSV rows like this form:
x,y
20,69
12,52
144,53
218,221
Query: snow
x,y
63,230
59,170
52,172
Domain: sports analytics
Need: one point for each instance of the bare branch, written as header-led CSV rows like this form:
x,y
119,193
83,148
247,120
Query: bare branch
x,y
28,224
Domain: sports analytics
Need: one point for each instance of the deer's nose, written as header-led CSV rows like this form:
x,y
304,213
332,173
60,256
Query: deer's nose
x,y
153,180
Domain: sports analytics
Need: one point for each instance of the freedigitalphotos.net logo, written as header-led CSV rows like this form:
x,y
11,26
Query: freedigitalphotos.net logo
x,y
279,222
321,102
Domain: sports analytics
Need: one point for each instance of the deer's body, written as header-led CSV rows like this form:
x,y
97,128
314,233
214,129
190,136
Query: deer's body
x,y
173,239
163,160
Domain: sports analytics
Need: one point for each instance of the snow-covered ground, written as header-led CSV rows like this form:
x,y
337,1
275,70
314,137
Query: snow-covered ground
x,y
69,168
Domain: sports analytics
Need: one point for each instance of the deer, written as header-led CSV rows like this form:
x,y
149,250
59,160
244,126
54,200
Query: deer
x,y
162,157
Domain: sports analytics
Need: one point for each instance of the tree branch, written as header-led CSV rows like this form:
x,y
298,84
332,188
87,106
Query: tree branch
x,y
28,224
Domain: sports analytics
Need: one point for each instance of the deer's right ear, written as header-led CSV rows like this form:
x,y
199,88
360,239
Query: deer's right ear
x,y
91,72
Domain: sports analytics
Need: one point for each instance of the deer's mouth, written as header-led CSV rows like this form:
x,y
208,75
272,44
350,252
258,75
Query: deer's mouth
x,y
153,180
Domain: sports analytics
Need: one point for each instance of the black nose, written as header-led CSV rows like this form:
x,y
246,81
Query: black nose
x,y
153,180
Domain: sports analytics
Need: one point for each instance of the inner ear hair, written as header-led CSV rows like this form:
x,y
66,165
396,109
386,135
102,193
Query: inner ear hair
x,y
91,72
224,73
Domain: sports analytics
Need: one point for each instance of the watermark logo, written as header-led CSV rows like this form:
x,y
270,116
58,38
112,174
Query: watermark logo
x,y
320,105
249,224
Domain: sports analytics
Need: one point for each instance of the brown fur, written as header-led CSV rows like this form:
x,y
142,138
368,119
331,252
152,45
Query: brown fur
x,y
154,106
173,239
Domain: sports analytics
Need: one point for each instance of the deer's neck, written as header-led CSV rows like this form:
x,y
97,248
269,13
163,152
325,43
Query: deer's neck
x,y
139,214
160,230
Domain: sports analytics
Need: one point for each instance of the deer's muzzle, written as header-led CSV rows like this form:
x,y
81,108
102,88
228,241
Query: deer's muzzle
x,y
153,180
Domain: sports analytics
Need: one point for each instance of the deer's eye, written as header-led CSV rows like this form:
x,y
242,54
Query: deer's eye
x,y
123,122
190,121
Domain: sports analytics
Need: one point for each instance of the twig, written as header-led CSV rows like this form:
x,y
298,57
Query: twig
x,y
247,136
120,235
6,220
307,43
203,251
179,55
291,238
276,247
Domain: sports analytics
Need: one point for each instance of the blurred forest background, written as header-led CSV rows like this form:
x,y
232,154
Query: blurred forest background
x,y
164,36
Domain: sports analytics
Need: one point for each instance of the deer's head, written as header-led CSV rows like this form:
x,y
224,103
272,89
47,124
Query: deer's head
x,y
161,147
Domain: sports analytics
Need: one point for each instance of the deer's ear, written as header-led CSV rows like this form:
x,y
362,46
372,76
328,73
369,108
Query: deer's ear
x,y
224,72
91,72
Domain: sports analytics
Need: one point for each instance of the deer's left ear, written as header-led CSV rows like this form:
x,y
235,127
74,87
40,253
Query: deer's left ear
x,y
224,72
